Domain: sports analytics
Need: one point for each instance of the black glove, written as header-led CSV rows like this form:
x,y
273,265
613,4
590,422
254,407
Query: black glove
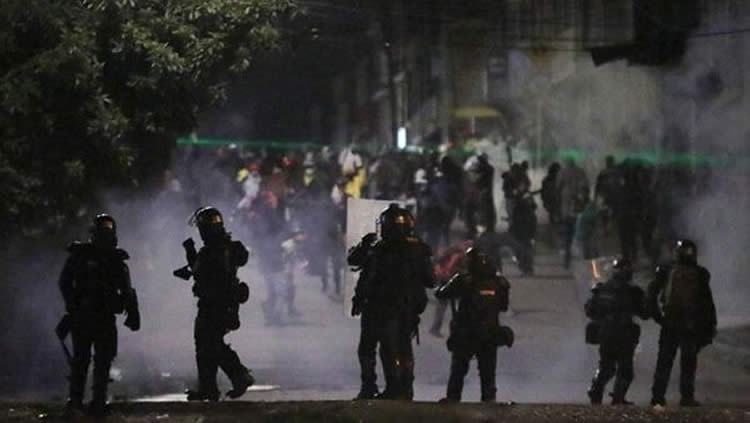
x,y
369,239
188,244
356,307
133,321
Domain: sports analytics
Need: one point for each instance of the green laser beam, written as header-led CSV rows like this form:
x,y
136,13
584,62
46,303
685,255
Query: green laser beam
x,y
654,158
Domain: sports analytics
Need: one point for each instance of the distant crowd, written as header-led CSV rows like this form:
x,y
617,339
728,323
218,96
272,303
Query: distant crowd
x,y
306,193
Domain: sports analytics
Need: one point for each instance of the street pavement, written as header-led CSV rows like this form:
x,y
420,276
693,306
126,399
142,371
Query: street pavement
x,y
314,357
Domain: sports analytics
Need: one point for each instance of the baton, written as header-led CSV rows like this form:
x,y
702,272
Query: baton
x,y
66,351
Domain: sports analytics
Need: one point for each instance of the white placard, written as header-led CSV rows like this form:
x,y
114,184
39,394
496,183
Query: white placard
x,y
361,218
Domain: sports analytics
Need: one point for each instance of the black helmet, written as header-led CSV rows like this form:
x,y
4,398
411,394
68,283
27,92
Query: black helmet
x,y
209,221
685,251
623,268
396,222
478,262
104,230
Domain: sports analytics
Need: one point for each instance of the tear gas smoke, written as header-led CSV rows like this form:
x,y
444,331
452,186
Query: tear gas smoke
x,y
700,106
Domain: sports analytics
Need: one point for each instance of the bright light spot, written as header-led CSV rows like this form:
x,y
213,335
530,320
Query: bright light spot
x,y
401,138
181,397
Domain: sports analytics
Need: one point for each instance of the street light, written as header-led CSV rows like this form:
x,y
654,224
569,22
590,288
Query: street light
x,y
401,138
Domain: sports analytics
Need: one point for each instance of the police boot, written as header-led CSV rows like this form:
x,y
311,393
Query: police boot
x,y
98,409
77,386
98,405
618,395
207,390
73,408
407,380
367,394
489,395
595,394
238,374
388,394
455,388
240,383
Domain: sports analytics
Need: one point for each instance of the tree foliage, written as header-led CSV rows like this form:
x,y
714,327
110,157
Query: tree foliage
x,y
94,92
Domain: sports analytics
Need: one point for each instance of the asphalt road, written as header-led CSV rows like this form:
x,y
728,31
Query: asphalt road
x,y
314,357
377,412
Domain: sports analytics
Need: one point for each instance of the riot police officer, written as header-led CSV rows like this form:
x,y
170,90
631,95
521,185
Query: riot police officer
x,y
482,294
680,300
95,285
359,257
219,293
392,294
611,307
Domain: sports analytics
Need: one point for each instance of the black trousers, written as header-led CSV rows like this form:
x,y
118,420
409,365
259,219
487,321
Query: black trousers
x,y
397,357
97,332
369,337
615,359
486,362
670,340
212,353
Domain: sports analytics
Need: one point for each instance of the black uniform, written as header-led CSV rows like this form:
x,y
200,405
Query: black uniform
x,y
681,301
219,293
369,335
475,328
611,308
215,272
95,285
397,273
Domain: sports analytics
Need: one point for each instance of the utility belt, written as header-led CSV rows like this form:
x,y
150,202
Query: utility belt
x,y
106,306
226,316
238,293
87,320
462,337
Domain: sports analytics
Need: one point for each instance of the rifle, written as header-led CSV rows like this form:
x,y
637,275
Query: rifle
x,y
62,330
186,272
